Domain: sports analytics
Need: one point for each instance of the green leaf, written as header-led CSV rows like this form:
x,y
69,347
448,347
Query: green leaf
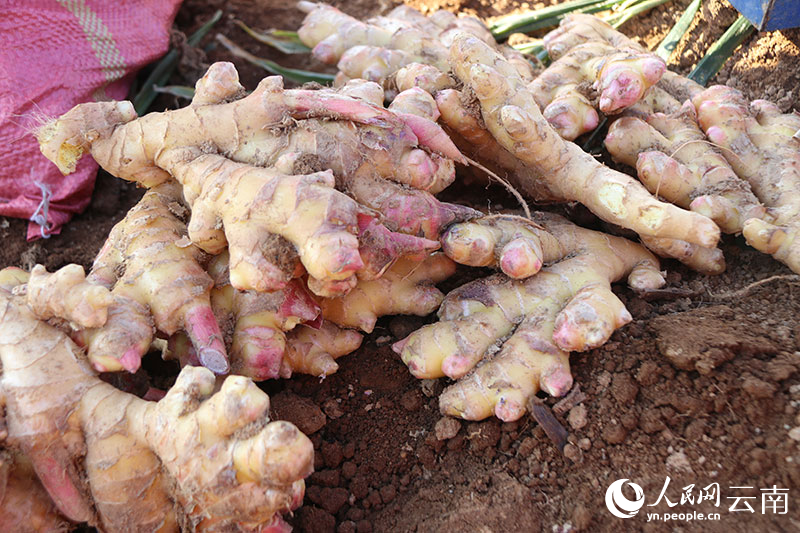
x,y
721,50
181,91
299,76
164,69
677,32
286,41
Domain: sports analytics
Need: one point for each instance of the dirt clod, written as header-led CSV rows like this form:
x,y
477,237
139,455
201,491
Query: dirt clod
x,y
578,417
614,433
446,428
298,410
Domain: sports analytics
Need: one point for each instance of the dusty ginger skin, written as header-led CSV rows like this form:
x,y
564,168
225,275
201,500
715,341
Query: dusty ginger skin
x,y
759,143
511,115
673,160
568,306
149,462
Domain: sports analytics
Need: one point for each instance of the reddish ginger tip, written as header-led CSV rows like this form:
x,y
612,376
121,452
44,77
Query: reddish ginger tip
x,y
131,361
399,345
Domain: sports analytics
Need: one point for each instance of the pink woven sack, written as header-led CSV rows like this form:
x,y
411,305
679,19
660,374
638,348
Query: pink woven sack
x,y
55,54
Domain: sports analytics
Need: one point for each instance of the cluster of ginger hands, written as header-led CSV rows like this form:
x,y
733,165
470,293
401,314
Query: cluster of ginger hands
x,y
278,223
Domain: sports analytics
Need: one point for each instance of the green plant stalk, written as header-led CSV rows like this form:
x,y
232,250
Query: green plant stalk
x,y
532,20
531,47
299,76
677,32
721,50
286,41
164,69
618,19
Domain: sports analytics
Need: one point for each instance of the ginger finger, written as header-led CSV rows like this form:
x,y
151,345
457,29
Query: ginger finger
x,y
379,47
406,288
365,90
416,101
428,78
514,120
567,306
66,294
331,32
277,204
373,63
709,261
620,77
380,248
404,209
514,245
315,351
673,160
161,272
218,84
256,322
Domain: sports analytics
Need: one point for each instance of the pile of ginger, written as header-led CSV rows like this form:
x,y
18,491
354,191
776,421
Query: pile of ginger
x,y
279,225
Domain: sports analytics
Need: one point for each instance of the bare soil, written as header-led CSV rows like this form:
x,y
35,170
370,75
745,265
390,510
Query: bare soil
x,y
702,386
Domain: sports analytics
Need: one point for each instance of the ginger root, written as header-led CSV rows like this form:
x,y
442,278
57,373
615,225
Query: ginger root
x,y
264,332
231,159
194,460
66,294
405,289
504,340
619,77
148,259
315,351
25,506
673,160
512,244
511,115
759,143
377,49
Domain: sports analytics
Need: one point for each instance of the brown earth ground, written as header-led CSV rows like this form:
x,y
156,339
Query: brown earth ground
x,y
647,413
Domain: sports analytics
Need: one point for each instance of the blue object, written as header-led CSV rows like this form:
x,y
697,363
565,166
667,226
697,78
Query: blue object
x,y
767,15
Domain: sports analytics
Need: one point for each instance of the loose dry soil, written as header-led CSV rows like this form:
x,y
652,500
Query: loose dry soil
x,y
702,386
